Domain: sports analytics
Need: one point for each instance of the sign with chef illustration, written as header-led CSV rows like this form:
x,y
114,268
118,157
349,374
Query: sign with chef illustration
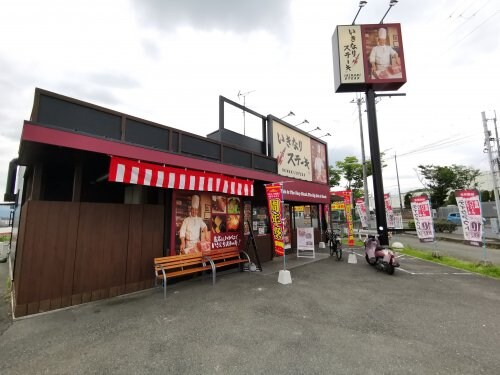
x,y
298,155
368,56
292,151
206,222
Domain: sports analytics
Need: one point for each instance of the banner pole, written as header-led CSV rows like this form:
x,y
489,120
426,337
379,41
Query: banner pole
x,y
283,224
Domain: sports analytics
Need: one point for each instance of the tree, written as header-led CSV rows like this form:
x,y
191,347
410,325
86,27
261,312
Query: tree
x,y
442,180
452,200
407,200
351,170
485,196
334,176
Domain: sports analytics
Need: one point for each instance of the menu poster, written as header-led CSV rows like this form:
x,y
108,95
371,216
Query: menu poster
x,y
305,238
469,207
421,210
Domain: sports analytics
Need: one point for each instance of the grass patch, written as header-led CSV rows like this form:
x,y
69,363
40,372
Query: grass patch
x,y
487,270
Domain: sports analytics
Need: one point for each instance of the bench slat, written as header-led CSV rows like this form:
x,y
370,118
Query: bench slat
x,y
178,265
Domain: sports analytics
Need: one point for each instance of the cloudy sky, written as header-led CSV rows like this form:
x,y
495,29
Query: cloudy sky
x,y
168,61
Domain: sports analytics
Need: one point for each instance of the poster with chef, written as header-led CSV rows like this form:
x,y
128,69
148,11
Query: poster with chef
x,y
361,210
367,56
421,210
274,194
206,222
469,208
383,53
389,213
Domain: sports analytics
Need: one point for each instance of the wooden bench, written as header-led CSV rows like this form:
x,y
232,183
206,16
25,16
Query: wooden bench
x,y
179,265
227,257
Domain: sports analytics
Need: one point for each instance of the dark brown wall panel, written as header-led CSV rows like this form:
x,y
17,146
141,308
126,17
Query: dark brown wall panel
x,y
70,253
101,250
152,241
133,276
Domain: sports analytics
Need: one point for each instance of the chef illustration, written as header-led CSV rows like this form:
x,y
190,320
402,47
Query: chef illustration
x,y
382,55
193,229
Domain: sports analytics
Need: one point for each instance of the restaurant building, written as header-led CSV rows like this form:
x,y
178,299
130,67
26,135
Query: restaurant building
x,y
99,194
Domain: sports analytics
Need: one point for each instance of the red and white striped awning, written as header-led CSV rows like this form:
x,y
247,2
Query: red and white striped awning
x,y
140,173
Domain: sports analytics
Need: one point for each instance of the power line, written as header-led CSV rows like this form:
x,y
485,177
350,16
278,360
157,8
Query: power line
x,y
446,142
478,26
467,19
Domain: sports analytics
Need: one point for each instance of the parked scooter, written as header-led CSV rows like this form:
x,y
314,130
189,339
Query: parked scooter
x,y
376,255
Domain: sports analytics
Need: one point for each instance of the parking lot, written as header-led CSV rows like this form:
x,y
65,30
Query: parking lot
x,y
335,317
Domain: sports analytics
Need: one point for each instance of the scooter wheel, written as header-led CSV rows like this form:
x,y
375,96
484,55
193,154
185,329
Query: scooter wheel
x,y
339,253
390,269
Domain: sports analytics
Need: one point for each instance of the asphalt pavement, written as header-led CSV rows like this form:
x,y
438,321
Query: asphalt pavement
x,y
453,245
334,318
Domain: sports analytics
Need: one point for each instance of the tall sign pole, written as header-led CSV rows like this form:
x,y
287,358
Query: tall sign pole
x,y
378,185
363,160
369,58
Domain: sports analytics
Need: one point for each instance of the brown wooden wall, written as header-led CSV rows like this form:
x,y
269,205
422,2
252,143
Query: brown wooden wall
x,y
70,253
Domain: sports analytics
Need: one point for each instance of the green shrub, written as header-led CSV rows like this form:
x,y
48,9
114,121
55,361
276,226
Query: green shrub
x,y
444,226
439,226
411,224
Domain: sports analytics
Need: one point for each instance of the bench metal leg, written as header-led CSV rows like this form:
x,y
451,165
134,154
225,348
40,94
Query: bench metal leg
x,y
164,283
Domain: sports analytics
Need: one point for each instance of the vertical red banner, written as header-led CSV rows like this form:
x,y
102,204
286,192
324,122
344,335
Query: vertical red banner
x,y
346,194
275,200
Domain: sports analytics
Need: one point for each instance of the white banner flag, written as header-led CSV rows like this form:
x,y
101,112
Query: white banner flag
x,y
361,210
422,214
469,207
389,214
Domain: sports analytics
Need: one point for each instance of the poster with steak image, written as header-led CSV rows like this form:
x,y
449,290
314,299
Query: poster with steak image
x,y
219,204
227,230
233,205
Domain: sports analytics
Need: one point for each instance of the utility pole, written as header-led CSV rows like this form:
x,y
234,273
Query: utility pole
x,y
399,188
487,143
359,101
498,142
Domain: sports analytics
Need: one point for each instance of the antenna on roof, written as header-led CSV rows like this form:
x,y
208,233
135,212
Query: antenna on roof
x,y
244,94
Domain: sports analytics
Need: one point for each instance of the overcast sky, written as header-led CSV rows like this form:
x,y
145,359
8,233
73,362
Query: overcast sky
x,y
168,61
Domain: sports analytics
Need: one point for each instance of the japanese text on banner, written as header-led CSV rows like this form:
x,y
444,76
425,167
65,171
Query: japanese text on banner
x,y
274,200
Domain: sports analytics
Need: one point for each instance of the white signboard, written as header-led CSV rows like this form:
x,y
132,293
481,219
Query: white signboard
x,y
469,207
398,221
293,152
421,209
352,69
305,242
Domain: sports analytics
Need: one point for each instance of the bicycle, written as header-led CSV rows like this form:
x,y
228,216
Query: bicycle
x,y
335,243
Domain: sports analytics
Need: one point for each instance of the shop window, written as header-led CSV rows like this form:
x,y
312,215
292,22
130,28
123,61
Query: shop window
x,y
306,216
260,221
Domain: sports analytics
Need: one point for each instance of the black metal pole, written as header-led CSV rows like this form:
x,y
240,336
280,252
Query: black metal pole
x,y
378,185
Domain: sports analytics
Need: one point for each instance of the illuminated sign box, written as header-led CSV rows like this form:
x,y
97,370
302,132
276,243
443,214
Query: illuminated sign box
x,y
368,56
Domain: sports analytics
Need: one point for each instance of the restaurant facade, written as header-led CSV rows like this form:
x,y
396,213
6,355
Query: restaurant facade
x,y
99,194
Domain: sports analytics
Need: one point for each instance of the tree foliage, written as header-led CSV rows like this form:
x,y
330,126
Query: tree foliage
x,y
407,200
351,170
441,180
